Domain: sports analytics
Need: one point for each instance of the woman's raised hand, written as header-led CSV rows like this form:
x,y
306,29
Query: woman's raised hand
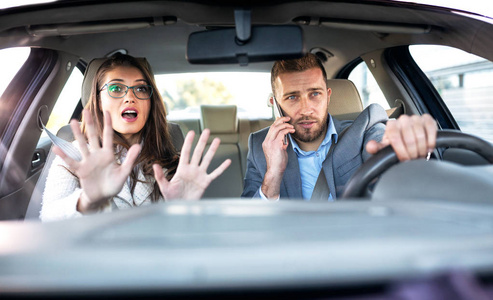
x,y
191,178
99,175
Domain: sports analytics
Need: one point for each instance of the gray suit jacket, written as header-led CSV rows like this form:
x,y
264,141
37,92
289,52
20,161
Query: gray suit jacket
x,y
349,153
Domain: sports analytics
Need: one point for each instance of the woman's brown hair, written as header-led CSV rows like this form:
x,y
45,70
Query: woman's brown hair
x,y
157,146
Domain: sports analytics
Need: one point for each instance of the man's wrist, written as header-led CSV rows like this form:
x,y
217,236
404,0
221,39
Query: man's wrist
x,y
263,197
271,186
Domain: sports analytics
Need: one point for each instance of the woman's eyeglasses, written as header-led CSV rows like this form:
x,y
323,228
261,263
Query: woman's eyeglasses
x,y
118,90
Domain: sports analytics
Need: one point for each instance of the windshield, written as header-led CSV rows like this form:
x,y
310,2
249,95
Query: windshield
x,y
481,7
15,3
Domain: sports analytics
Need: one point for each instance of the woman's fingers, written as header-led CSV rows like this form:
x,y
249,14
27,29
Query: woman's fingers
x,y
92,134
79,137
129,161
219,170
186,148
199,148
72,164
107,132
210,154
208,158
158,172
160,178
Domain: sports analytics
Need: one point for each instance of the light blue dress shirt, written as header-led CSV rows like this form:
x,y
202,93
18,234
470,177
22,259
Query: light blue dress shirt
x,y
311,162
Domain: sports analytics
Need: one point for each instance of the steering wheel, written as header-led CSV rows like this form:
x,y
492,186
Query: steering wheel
x,y
385,158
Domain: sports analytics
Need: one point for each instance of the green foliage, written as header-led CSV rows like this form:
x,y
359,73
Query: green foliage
x,y
195,92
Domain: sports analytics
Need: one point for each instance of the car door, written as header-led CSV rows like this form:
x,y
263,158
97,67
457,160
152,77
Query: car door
x,y
28,99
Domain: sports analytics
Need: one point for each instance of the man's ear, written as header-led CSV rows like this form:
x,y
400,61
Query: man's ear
x,y
329,92
271,99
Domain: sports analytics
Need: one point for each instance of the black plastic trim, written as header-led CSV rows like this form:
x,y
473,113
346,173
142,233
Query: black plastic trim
x,y
347,69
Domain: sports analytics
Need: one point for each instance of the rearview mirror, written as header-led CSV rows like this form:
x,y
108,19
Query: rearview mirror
x,y
266,43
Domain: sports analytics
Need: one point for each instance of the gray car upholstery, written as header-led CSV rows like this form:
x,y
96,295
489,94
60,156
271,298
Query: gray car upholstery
x,y
222,121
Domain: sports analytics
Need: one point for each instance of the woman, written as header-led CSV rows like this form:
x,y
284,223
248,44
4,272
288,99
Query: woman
x,y
127,155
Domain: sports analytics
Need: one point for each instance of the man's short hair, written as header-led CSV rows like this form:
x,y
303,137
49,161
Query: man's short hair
x,y
309,61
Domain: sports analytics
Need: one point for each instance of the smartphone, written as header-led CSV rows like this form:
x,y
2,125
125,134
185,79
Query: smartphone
x,y
278,113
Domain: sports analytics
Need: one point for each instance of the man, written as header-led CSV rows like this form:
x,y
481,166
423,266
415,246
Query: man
x,y
276,169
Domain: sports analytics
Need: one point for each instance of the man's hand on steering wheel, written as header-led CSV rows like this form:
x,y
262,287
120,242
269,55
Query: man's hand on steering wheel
x,y
411,137
386,158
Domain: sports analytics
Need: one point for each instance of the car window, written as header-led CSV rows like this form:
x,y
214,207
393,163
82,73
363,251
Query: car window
x,y
66,103
184,93
367,86
11,60
464,83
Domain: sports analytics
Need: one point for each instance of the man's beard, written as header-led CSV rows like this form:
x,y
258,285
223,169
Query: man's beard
x,y
305,136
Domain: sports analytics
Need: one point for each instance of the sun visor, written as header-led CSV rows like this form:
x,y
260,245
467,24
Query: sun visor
x,y
265,43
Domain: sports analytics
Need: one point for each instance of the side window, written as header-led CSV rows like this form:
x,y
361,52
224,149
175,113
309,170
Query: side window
x,y
367,86
66,103
464,83
11,60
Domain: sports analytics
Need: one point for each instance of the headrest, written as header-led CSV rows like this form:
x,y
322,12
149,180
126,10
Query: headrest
x,y
91,70
345,102
65,132
219,118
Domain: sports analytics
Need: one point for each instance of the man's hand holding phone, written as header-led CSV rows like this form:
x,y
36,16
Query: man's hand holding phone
x,y
275,145
279,114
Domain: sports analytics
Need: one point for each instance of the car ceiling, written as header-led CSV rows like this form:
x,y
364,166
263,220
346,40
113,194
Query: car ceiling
x,y
168,24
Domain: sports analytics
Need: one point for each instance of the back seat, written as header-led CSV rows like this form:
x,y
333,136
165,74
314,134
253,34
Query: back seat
x,y
223,123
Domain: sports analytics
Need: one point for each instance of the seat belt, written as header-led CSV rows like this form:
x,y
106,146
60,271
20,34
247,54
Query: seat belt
x,y
321,191
69,149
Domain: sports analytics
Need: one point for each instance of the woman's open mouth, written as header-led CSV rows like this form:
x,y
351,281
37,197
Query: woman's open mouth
x,y
130,115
